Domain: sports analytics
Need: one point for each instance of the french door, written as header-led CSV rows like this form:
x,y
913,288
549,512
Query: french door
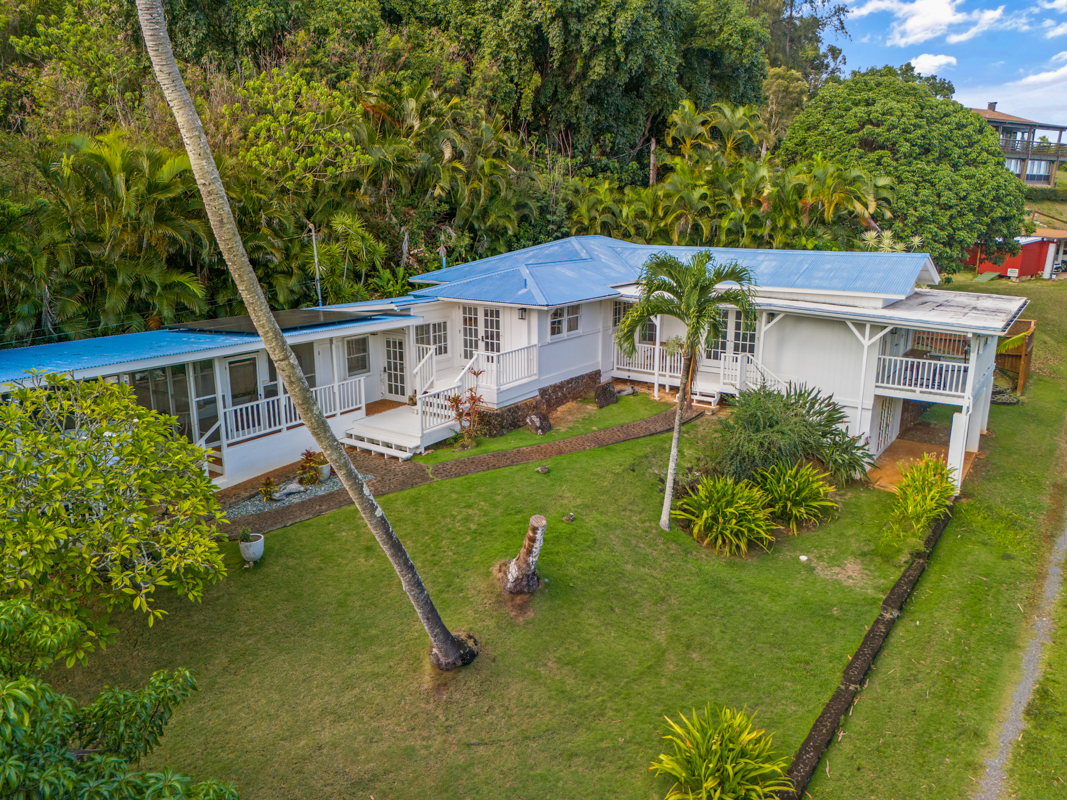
x,y
491,332
470,332
244,381
395,383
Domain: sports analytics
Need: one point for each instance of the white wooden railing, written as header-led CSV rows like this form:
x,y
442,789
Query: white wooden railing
x,y
740,370
426,369
433,407
643,359
276,413
758,376
511,366
922,375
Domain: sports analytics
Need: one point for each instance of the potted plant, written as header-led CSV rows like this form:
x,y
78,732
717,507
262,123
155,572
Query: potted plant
x,y
251,545
323,467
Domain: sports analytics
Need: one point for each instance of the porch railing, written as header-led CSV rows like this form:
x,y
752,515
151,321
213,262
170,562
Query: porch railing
x,y
511,366
922,375
946,344
643,359
426,369
277,413
433,407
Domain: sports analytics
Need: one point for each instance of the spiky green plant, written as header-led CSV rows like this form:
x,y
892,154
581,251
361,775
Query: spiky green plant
x,y
719,757
923,495
727,516
796,495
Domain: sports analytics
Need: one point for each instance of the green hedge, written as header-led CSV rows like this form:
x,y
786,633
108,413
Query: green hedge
x,y
1040,193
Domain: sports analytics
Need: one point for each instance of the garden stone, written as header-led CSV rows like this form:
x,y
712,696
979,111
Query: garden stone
x,y
543,469
292,488
539,423
626,391
605,394
521,576
569,517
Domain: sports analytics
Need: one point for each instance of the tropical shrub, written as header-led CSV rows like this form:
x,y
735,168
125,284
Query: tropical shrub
x,y
796,495
721,756
727,516
922,496
769,427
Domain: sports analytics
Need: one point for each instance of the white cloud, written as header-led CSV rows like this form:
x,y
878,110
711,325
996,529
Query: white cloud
x,y
1045,78
1057,30
929,64
918,21
1062,56
1054,5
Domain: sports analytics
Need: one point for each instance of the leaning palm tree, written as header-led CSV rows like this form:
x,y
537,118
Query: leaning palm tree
x,y
693,293
448,651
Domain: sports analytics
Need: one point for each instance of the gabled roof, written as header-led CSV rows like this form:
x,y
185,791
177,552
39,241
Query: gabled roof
x,y
1000,116
585,268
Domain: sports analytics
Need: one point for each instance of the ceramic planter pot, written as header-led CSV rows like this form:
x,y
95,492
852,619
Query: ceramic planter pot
x,y
253,550
324,473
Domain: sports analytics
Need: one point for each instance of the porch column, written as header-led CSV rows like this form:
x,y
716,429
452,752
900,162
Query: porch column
x,y
957,447
863,379
655,359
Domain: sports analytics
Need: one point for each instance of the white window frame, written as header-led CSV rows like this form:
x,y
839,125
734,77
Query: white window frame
x,y
347,356
435,334
569,319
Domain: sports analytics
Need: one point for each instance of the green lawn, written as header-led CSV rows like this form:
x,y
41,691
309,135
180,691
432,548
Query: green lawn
x,y
314,680
925,724
586,418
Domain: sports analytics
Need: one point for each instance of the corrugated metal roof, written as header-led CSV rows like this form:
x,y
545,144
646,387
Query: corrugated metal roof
x,y
127,348
106,351
587,267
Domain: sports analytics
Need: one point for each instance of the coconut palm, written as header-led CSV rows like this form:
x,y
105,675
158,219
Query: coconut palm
x,y
692,292
448,651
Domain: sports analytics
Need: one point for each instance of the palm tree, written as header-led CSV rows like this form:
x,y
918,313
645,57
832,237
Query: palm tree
x,y
448,651
693,293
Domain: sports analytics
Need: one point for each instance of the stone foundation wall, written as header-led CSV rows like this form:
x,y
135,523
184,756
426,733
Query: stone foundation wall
x,y
504,420
911,411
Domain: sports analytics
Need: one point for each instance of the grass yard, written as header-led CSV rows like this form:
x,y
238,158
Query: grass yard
x,y
926,722
314,680
574,419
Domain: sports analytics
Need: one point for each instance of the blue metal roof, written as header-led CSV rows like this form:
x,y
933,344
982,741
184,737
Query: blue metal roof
x,y
107,351
586,267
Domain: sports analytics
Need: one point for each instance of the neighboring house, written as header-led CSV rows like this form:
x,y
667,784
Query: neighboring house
x,y
1039,256
1034,162
534,324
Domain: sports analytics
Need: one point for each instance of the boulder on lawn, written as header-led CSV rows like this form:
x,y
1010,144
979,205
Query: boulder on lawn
x,y
626,391
605,394
539,423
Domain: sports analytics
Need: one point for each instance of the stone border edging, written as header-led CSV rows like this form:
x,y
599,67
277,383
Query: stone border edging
x,y
819,737
663,422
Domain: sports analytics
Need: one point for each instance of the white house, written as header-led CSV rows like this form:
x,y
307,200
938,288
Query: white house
x,y
860,326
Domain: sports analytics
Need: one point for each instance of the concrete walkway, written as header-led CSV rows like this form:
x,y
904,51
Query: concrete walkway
x,y
390,476
992,785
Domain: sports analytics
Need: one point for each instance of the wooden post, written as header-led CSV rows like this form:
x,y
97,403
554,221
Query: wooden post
x,y
652,164
521,576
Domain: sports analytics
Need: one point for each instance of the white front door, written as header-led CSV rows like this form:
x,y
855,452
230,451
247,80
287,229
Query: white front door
x,y
470,332
395,384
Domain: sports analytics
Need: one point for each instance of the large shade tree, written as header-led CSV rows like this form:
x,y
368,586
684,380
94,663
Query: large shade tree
x,y
945,162
694,292
448,651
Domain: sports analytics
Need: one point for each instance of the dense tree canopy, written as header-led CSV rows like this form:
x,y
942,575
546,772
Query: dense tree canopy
x,y
89,521
946,164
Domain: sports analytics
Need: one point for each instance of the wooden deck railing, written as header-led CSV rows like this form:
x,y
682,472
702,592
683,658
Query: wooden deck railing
x,y
277,413
511,366
922,375
1024,148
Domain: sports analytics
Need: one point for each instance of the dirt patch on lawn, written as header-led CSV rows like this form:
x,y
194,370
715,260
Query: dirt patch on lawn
x,y
851,573
517,605
570,413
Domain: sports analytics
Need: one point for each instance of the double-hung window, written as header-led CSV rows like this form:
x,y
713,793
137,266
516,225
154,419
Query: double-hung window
x,y
433,334
357,355
565,320
618,311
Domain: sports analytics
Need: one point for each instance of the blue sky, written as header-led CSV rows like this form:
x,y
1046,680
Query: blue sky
x,y
1014,53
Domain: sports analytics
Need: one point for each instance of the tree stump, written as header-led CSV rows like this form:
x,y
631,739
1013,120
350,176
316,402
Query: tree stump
x,y
521,575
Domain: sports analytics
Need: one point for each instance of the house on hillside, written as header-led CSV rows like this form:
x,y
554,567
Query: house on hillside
x,y
1034,162
538,326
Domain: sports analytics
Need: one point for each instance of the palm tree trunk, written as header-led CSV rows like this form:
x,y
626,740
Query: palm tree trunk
x,y
672,466
448,651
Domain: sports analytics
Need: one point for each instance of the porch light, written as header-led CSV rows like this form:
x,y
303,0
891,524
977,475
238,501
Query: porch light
x,y
522,313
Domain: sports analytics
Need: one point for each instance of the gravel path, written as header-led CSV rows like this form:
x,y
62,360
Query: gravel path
x,y
257,505
992,785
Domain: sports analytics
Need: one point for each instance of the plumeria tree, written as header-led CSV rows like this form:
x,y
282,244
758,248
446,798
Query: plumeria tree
x,y
693,292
